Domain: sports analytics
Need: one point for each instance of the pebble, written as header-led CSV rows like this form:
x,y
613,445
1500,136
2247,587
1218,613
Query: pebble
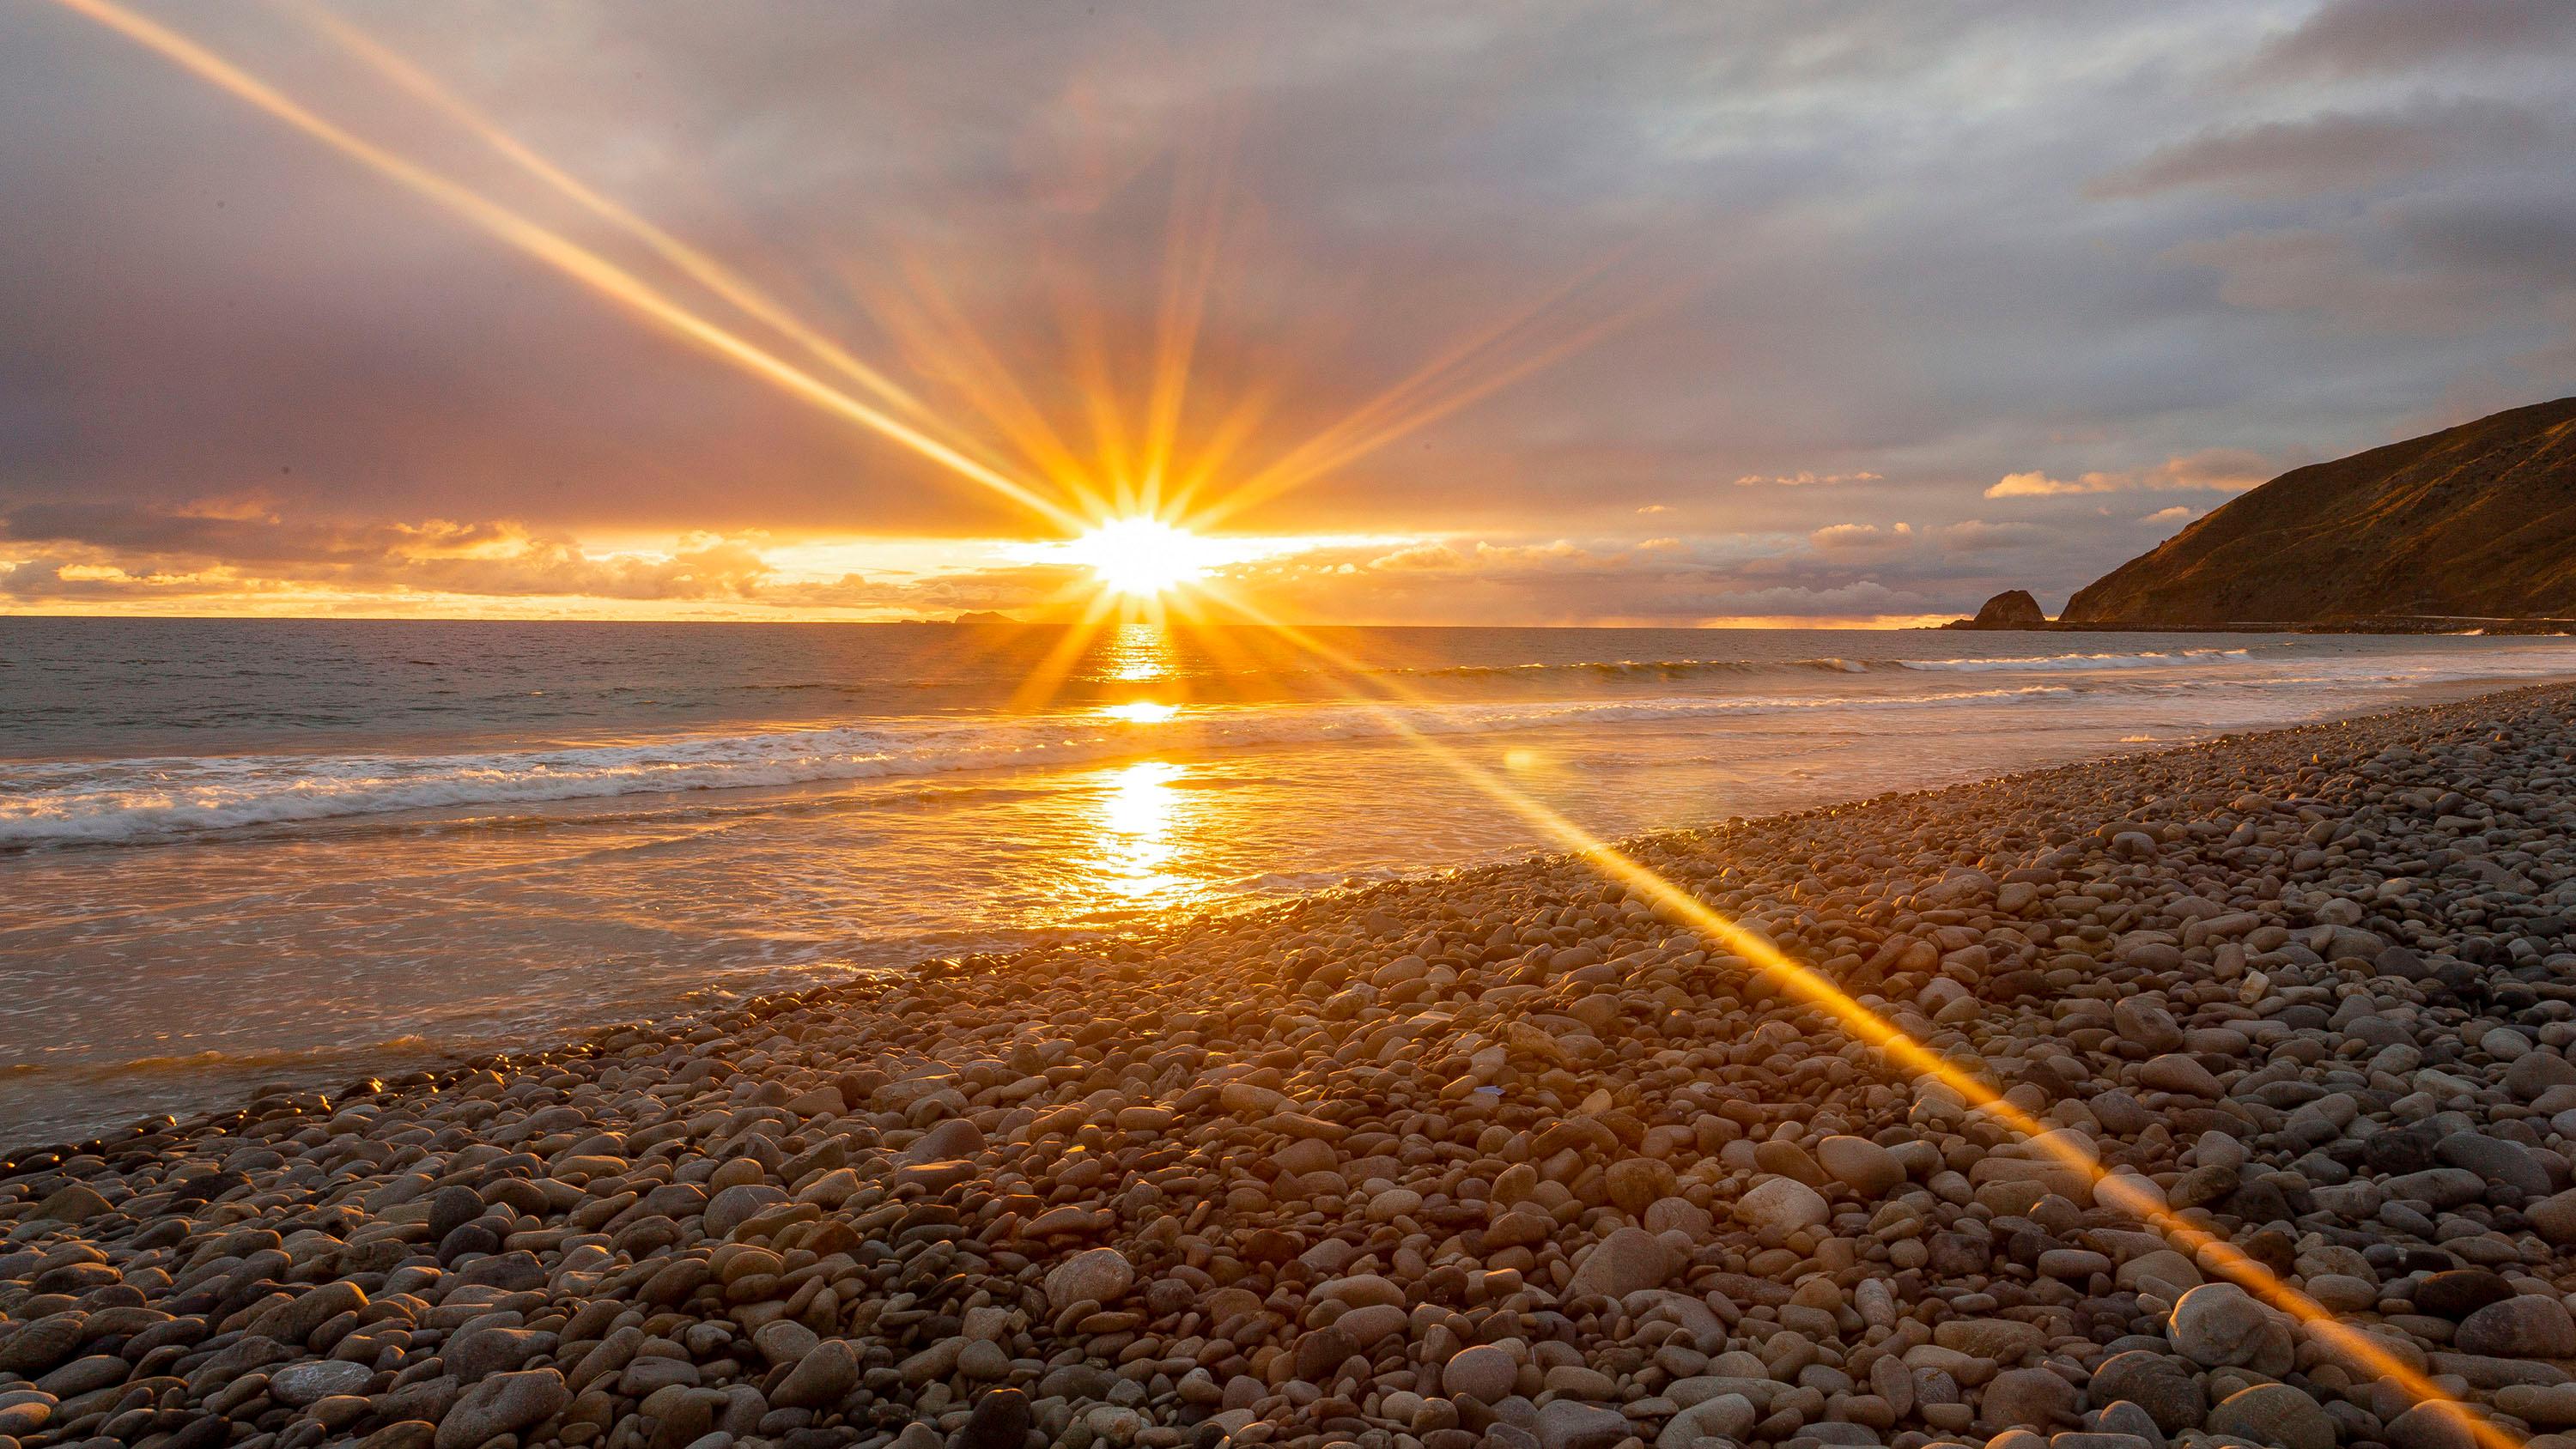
x,y
1506,1156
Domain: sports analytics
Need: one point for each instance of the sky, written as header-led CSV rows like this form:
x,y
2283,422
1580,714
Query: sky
x,y
1442,313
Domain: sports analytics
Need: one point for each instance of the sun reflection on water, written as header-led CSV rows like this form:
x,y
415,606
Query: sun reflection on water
x,y
1142,711
1136,654
1141,815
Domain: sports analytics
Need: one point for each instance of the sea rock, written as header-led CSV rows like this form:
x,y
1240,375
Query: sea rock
x,y
2011,609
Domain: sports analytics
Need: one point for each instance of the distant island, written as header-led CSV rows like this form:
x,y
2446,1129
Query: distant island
x,y
2473,527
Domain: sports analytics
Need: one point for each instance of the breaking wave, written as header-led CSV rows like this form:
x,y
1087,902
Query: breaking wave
x,y
121,801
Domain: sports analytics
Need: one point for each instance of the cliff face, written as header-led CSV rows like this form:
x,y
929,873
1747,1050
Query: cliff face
x,y
2477,521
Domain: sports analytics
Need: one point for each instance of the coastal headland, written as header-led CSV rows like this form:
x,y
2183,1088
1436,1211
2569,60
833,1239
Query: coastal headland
x,y
1516,1156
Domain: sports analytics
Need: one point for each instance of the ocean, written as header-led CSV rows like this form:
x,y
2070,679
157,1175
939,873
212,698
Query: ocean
x,y
241,852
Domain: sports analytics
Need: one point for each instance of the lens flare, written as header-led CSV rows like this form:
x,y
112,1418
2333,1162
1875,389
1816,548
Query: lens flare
x,y
560,252
1145,558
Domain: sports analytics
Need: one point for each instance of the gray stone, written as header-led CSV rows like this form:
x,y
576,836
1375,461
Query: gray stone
x,y
739,1204
2030,1398
2155,1382
1779,1206
1484,1373
821,1379
1861,1165
300,1384
2529,1326
2218,1325
1099,1275
503,1404
1571,1424
2429,1426
1727,1416
2496,1160
2274,1414
1627,1261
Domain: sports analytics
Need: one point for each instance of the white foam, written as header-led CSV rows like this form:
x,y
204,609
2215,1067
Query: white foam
x,y
116,801
2052,663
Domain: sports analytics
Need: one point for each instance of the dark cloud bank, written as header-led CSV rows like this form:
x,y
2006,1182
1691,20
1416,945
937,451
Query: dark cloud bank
x,y
1882,260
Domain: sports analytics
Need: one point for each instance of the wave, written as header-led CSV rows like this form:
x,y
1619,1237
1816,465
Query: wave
x,y
2049,663
1828,664
142,800
1636,668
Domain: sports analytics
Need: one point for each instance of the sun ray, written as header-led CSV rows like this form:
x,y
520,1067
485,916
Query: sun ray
x,y
928,320
1037,688
1457,377
564,255
1894,1043
699,266
1193,248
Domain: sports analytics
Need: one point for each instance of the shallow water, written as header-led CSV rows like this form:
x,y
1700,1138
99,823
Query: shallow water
x,y
237,852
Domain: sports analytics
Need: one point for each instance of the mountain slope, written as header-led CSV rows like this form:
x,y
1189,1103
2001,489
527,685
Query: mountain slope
x,y
2474,521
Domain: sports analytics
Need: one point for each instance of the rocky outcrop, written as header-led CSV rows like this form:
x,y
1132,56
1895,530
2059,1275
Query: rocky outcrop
x,y
2011,609
2474,523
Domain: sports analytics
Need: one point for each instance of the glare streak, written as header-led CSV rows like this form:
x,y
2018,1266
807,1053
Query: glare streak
x,y
706,270
1892,1041
566,256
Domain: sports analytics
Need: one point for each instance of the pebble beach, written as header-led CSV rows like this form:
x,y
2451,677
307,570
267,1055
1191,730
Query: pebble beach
x,y
1505,1157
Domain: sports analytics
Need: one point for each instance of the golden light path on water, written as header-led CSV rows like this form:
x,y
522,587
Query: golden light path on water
x,y
1139,815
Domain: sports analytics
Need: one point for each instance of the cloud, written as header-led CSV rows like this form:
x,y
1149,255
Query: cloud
x,y
1975,535
2359,37
1880,244
2273,160
1860,537
1803,480
2176,514
2218,470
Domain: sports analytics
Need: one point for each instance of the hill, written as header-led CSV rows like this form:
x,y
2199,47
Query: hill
x,y
2473,522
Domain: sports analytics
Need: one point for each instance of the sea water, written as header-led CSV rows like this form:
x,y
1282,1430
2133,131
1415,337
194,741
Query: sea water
x,y
242,852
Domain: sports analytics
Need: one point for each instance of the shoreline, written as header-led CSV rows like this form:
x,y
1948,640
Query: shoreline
x,y
57,1097
1401,1161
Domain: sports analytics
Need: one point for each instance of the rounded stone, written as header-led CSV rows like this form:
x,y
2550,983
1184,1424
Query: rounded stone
x,y
2530,1326
2274,1414
2219,1325
1779,1206
1099,1275
1861,1165
1484,1373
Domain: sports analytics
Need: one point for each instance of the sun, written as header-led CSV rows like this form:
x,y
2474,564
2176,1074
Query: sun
x,y
1146,558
